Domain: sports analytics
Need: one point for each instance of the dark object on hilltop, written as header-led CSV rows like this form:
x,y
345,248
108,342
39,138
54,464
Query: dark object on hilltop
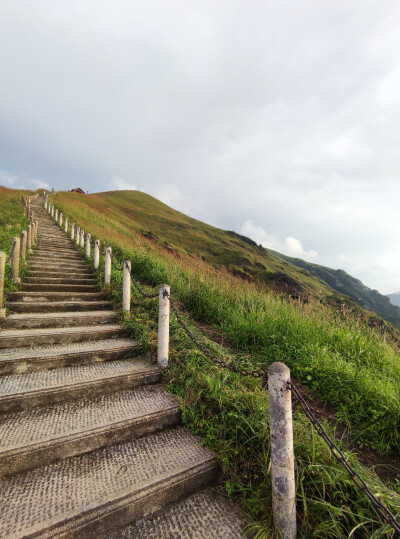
x,y
77,190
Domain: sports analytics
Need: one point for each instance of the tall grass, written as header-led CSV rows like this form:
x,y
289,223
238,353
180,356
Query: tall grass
x,y
342,360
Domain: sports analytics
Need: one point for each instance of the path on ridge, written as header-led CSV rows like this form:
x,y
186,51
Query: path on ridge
x,y
90,442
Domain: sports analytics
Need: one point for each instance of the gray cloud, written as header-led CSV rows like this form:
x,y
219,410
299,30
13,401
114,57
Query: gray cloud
x,y
282,115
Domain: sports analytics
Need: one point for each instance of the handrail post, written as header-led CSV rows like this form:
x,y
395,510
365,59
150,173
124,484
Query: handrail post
x,y
78,235
163,326
282,454
66,225
23,244
60,222
107,266
96,255
29,237
72,231
126,286
82,243
56,215
2,271
52,210
88,238
15,261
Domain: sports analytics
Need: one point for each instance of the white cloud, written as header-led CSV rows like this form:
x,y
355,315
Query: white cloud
x,y
119,184
289,246
16,182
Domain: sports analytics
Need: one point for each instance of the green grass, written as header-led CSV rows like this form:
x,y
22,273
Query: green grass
x,y
344,361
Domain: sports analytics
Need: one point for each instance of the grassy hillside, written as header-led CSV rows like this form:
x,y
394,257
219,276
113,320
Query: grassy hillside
x,y
345,362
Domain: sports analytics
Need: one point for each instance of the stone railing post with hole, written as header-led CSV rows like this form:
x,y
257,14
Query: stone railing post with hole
x,y
107,266
60,222
96,255
126,286
28,237
78,235
88,239
282,453
23,245
163,326
2,273
66,225
72,231
82,242
56,215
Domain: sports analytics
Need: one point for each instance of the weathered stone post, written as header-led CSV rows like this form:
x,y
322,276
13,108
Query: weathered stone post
x,y
49,209
52,210
2,271
88,238
96,255
45,204
56,215
72,231
66,225
23,244
82,238
163,326
282,454
15,261
126,286
60,222
107,266
78,235
29,237
36,230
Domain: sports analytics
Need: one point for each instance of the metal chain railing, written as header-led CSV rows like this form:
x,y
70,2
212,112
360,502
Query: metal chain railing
x,y
387,515
144,294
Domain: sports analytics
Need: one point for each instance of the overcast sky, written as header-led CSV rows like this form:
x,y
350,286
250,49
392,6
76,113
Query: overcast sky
x,y
279,120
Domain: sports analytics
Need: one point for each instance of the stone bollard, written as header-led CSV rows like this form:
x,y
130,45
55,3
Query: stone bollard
x,y
2,271
88,238
96,255
60,221
82,242
23,244
45,205
29,237
126,286
72,231
49,209
36,230
163,326
52,211
15,261
282,454
107,266
66,225
56,215
78,235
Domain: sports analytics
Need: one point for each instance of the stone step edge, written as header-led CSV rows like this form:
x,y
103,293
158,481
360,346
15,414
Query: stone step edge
x,y
44,453
15,402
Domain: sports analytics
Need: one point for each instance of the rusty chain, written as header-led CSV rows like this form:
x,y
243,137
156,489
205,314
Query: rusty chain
x,y
386,514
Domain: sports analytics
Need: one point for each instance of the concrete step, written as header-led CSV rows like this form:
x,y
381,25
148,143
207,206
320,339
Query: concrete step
x,y
31,297
59,287
20,338
57,306
22,360
59,320
87,495
37,258
32,438
25,391
202,515
88,279
85,271
45,263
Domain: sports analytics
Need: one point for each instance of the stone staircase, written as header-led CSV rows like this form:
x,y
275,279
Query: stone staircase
x,y
90,442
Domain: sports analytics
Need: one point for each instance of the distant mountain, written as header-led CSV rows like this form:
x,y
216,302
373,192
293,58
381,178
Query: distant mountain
x,y
342,282
395,298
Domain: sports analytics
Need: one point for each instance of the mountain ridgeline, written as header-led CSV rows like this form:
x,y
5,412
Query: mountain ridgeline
x,y
122,213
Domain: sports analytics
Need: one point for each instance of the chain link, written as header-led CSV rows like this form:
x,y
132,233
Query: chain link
x,y
244,372
387,515
114,266
149,296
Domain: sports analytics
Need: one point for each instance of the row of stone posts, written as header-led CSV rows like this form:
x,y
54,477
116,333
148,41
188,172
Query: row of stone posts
x,y
19,248
280,402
